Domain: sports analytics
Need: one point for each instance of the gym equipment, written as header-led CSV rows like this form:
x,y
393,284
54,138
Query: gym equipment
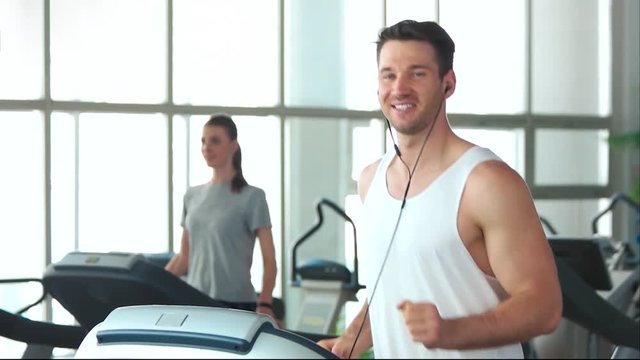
x,y
326,285
622,255
40,336
585,257
587,268
585,307
161,331
91,285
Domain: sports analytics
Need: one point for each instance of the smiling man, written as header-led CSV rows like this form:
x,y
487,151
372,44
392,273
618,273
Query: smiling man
x,y
458,262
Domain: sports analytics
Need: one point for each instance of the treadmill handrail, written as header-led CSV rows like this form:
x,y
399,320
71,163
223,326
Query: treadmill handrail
x,y
19,328
315,227
174,337
16,327
26,280
613,200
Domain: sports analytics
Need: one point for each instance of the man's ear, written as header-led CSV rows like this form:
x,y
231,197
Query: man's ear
x,y
449,81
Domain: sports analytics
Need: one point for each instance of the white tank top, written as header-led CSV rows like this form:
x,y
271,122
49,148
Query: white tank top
x,y
427,261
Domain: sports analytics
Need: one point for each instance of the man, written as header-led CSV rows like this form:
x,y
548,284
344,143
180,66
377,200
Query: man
x,y
459,263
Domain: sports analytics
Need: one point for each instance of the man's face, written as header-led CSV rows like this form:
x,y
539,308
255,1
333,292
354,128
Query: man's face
x,y
409,86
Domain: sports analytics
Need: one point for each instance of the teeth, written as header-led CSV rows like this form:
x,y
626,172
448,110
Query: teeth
x,y
403,106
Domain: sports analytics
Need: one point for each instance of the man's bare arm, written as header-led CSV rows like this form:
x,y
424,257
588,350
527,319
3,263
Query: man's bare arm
x,y
498,200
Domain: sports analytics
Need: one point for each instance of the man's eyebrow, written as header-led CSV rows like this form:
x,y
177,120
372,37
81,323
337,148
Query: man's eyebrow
x,y
412,67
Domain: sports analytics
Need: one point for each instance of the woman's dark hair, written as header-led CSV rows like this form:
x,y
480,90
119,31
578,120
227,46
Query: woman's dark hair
x,y
225,121
427,31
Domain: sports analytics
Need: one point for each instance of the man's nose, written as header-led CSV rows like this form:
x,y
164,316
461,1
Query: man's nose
x,y
401,85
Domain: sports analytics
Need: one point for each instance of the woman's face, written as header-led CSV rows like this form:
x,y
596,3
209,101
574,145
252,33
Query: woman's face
x,y
217,148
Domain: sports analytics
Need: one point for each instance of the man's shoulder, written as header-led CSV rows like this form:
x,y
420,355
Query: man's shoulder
x,y
495,176
366,177
494,169
369,170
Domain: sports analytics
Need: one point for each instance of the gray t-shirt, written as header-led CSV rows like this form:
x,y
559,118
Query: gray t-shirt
x,y
222,232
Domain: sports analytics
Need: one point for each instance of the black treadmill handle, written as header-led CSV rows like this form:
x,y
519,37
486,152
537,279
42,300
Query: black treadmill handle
x,y
19,328
27,280
335,207
315,228
613,200
173,337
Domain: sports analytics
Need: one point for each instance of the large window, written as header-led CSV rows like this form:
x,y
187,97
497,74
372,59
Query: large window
x,y
491,55
102,104
109,182
225,53
21,49
22,213
22,208
108,51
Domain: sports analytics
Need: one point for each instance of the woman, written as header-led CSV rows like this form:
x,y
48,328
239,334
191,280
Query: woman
x,y
221,220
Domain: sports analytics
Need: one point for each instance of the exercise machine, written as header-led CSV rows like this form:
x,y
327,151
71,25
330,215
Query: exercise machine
x,y
41,337
90,285
600,286
622,255
586,257
172,331
96,288
326,285
580,279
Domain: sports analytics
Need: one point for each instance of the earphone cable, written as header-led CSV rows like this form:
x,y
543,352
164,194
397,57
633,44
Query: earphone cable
x,y
395,228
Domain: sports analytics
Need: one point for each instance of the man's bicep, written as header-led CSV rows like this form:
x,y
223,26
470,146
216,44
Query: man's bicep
x,y
517,248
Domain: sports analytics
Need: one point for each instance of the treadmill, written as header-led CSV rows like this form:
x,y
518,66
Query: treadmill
x,y
191,332
130,306
91,285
